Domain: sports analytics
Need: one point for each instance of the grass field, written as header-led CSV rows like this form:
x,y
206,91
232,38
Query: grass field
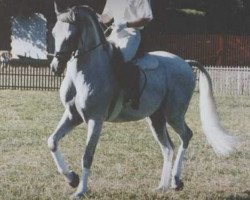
x,y
127,162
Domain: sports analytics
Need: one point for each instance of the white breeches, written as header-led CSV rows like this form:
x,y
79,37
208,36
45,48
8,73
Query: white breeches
x,y
128,40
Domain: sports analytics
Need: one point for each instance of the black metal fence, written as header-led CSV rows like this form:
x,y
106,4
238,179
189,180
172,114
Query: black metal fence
x,y
25,76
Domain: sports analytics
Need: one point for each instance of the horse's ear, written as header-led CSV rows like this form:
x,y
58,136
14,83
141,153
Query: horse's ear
x,y
68,17
56,8
72,16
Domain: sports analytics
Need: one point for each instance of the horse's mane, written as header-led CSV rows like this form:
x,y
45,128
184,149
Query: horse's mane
x,y
91,12
68,15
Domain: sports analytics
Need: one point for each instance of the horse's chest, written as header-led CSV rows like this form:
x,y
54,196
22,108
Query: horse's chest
x,y
92,92
84,95
88,96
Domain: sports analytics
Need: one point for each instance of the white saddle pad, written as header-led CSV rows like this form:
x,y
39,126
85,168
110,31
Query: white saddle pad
x,y
147,62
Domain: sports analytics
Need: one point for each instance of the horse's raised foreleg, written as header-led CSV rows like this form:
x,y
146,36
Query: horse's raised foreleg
x,y
157,124
185,134
66,124
94,131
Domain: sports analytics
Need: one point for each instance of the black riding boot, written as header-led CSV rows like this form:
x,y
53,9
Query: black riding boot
x,y
128,76
132,84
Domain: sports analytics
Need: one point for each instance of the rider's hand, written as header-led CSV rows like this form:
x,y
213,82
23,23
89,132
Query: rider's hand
x,y
120,25
105,19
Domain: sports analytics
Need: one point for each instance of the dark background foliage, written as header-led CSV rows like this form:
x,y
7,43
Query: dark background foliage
x,y
170,16
180,16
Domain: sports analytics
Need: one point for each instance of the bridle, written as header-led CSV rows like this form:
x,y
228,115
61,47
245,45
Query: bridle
x,y
62,55
66,55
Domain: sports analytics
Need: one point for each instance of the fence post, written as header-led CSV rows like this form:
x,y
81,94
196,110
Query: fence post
x,y
238,81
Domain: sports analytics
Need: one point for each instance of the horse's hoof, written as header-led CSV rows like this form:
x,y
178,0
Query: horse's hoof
x,y
74,179
161,189
77,196
179,186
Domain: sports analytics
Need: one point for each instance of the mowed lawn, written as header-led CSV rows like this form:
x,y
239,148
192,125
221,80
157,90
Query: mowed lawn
x,y
127,163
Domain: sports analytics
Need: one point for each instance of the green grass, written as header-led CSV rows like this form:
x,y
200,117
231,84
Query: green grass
x,y
127,162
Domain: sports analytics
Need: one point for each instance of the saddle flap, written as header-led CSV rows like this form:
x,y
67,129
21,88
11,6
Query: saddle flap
x,y
147,62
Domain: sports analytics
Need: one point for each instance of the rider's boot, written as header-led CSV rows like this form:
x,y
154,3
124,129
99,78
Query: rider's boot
x,y
128,76
132,84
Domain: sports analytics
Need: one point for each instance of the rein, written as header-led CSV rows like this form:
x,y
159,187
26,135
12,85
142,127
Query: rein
x,y
68,54
78,52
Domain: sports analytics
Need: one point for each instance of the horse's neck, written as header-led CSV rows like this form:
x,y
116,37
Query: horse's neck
x,y
91,33
93,44
98,59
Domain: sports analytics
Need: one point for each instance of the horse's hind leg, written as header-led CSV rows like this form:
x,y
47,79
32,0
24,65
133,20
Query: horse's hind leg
x,y
158,127
185,135
66,124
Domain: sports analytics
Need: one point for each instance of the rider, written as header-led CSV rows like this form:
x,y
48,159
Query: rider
x,y
129,17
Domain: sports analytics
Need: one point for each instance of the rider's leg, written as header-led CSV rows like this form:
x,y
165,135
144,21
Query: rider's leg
x,y
128,41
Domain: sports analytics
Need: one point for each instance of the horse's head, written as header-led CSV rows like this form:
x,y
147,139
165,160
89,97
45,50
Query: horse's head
x,y
76,29
65,33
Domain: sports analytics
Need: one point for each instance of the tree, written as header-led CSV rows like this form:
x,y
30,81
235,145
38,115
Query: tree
x,y
223,15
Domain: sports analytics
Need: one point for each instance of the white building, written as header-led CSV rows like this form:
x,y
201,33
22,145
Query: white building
x,y
29,36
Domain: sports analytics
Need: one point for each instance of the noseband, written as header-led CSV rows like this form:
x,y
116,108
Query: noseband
x,y
63,55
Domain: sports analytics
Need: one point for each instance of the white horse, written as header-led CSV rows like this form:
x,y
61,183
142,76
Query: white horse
x,y
90,89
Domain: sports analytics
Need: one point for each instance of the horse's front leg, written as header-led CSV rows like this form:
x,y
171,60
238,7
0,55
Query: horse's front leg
x,y
66,124
94,131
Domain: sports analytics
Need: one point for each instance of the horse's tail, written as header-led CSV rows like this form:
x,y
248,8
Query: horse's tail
x,y
218,138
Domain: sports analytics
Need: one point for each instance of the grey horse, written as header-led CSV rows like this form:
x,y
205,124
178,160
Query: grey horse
x,y
90,89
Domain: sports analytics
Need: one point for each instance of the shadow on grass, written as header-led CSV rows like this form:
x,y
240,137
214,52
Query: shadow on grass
x,y
245,196
125,195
